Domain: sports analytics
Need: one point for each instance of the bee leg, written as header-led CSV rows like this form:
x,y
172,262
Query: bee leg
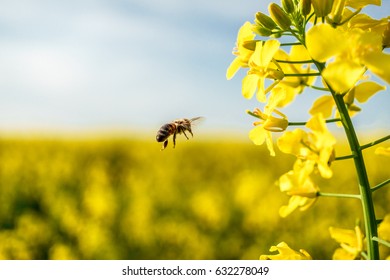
x,y
164,145
185,134
174,139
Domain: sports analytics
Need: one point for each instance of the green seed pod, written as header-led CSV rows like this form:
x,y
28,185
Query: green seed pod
x,y
305,7
288,6
265,21
279,16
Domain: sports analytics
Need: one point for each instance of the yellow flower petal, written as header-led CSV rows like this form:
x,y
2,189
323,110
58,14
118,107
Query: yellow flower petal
x,y
278,94
324,104
320,42
299,52
233,68
243,54
269,49
260,94
379,64
364,91
365,22
357,4
298,184
290,141
341,254
245,33
351,242
269,143
257,135
342,75
286,253
294,203
249,85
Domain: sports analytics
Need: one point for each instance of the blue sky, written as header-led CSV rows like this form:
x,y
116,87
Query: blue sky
x,y
81,65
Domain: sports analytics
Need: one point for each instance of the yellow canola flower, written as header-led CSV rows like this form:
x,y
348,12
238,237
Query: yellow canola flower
x,y
269,123
286,253
351,51
245,34
351,243
298,184
294,85
260,69
340,13
316,146
361,93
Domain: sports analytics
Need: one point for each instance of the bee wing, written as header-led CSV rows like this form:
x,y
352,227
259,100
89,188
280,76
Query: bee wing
x,y
197,120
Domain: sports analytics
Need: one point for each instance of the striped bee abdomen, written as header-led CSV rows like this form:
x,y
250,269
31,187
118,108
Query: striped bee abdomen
x,y
165,131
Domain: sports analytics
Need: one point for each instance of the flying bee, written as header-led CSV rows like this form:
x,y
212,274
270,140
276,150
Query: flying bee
x,y
173,128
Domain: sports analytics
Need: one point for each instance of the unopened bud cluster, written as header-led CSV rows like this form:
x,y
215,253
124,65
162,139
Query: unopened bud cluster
x,y
281,17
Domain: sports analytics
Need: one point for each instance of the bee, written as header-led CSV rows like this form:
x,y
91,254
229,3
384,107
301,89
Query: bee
x,y
173,128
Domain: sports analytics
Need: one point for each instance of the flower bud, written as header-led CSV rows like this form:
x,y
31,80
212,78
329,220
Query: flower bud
x,y
275,74
322,7
338,10
265,21
275,124
305,7
288,6
262,31
250,45
303,193
279,16
332,157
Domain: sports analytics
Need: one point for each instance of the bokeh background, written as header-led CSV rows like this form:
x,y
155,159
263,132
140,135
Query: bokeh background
x,y
84,87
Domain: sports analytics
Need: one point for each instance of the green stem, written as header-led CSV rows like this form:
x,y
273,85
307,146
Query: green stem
x,y
317,88
364,255
304,123
302,75
295,61
344,157
376,142
290,44
377,187
339,195
384,242
364,186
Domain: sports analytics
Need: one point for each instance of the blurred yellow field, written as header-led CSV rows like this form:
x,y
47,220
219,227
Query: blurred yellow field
x,y
125,199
